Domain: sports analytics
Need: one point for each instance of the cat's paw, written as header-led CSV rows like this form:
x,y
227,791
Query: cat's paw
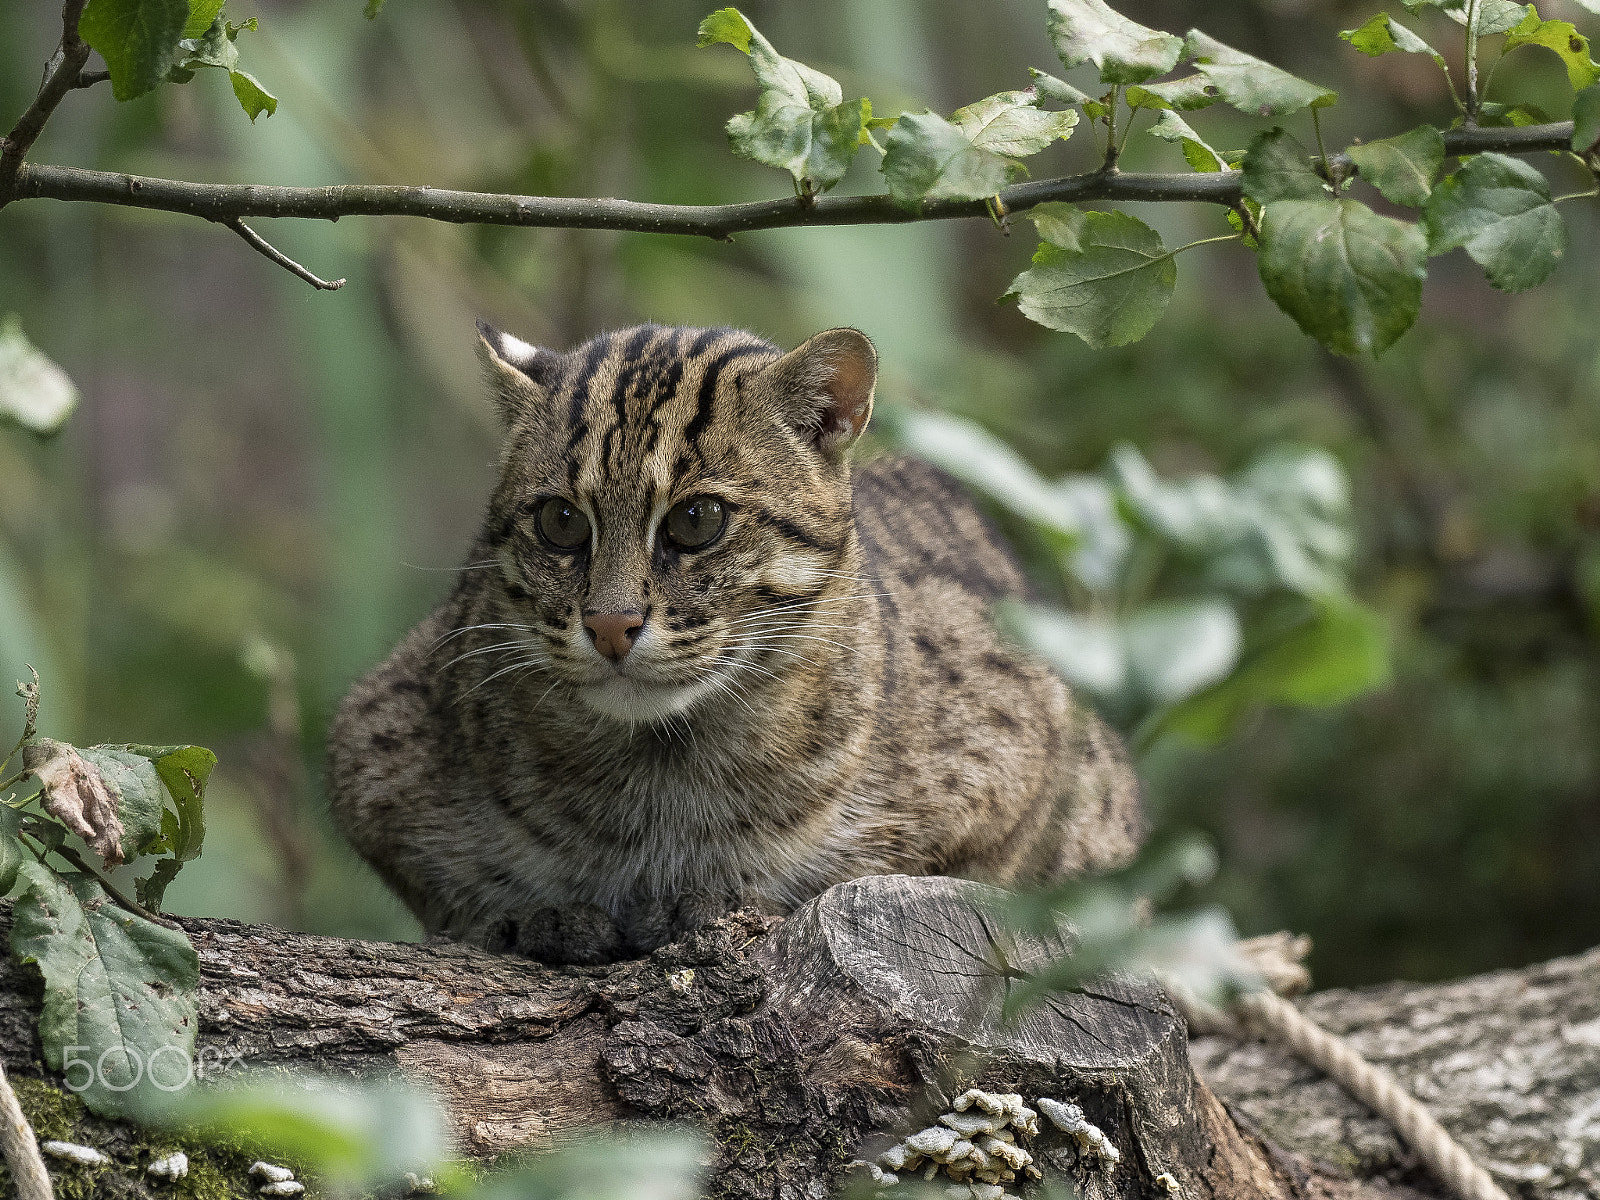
x,y
573,934
651,922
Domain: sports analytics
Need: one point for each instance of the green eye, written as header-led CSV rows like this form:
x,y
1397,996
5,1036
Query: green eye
x,y
694,523
562,524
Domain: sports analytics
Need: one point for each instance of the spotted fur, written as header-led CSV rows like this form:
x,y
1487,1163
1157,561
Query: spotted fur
x,y
817,695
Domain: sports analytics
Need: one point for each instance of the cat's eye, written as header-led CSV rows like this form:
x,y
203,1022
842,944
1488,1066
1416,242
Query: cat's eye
x,y
562,524
694,524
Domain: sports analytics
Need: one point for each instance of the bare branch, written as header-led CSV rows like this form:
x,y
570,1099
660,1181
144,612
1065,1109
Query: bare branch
x,y
266,248
61,76
229,202
87,79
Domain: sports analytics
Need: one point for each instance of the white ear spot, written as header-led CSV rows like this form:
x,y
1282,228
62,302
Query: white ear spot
x,y
512,351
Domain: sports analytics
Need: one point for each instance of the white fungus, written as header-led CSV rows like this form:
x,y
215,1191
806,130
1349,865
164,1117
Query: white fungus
x,y
1069,1118
85,1156
969,1123
173,1166
284,1187
271,1174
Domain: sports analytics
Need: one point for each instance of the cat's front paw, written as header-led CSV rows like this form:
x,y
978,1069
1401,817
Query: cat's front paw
x,y
651,922
573,934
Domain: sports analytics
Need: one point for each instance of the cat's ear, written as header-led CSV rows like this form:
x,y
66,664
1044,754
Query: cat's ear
x,y
519,374
826,386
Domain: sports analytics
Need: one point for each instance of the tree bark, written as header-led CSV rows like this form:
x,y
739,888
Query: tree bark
x,y
1508,1062
798,1045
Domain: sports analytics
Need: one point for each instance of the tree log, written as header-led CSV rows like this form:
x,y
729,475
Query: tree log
x,y
798,1045
1509,1062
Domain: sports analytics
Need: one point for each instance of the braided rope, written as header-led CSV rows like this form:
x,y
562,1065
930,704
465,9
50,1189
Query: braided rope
x,y
1374,1087
1277,957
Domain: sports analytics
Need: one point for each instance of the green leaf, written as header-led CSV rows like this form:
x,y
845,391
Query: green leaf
x,y
372,9
1402,167
1009,124
252,97
34,392
1492,112
1171,127
12,852
1494,16
358,1137
137,38
1283,523
1585,123
1340,651
1276,167
1176,648
1123,50
1051,88
1109,288
1075,517
216,48
201,14
655,1166
1384,35
1152,658
119,992
141,797
1350,278
928,158
184,770
1563,38
1189,93
801,123
727,26
1251,85
1499,209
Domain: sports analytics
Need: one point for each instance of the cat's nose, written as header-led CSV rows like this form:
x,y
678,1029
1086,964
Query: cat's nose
x,y
612,633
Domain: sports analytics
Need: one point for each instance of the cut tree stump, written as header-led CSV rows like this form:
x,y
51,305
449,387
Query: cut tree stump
x,y
798,1045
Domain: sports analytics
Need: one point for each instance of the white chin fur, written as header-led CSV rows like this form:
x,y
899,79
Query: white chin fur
x,y
627,699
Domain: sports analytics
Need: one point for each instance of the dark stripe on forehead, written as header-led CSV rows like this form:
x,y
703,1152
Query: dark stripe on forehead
x,y
629,371
708,388
665,391
581,386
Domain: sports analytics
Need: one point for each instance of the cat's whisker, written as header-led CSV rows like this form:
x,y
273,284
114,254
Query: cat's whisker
x,y
463,567
528,662
455,633
499,646
726,660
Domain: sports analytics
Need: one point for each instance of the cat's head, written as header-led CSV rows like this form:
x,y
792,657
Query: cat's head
x,y
673,512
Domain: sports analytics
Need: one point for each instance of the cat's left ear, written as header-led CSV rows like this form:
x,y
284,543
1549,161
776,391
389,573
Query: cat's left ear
x,y
520,375
826,385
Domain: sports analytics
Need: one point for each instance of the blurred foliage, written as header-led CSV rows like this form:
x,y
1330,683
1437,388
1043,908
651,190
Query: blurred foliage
x,y
382,1137
266,486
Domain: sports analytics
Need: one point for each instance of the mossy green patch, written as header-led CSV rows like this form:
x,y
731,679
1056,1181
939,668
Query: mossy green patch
x,y
52,1112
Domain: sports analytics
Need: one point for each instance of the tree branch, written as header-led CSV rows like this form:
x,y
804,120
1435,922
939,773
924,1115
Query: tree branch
x,y
228,203
266,248
61,76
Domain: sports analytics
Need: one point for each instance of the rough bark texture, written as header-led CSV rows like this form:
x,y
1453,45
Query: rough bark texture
x,y
803,1044
1509,1062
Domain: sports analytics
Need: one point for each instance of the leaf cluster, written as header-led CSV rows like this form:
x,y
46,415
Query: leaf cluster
x,y
1349,276
149,42
119,1015
1184,604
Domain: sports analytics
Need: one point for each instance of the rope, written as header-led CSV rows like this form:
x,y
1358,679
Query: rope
x,y
1267,1013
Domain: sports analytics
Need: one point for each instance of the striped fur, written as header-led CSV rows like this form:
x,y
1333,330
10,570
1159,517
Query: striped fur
x,y
817,695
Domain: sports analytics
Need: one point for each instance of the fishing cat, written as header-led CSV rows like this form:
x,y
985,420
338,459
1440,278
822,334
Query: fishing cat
x,y
696,661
